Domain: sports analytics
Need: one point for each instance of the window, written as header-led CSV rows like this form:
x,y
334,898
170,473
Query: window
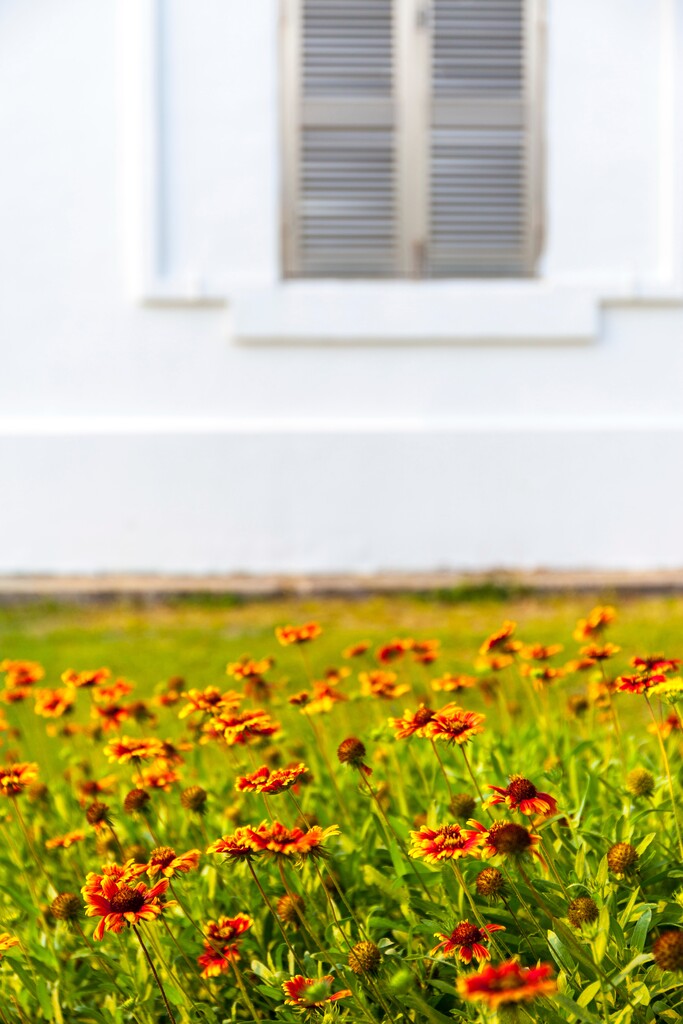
x,y
411,138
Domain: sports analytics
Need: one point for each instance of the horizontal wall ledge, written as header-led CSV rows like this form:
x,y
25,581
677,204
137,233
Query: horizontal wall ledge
x,y
415,312
312,502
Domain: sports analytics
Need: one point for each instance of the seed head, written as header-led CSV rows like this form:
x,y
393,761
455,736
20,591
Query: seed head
x,y
136,800
66,907
97,813
194,799
489,882
621,857
640,782
126,900
364,958
667,951
37,792
520,788
290,909
582,910
509,838
462,805
351,751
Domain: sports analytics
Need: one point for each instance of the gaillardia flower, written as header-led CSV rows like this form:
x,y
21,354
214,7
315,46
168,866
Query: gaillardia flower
x,y
310,993
165,861
7,941
119,903
288,635
290,842
221,944
466,941
443,843
455,725
14,778
521,795
263,780
412,723
501,641
506,839
507,983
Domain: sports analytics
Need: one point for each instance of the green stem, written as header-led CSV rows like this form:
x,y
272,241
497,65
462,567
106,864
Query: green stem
x,y
153,969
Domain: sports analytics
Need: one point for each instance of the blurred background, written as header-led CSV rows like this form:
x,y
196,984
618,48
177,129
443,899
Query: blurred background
x,y
340,286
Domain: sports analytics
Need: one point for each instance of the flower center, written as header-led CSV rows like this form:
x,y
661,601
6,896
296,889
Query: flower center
x,y
465,934
506,837
162,855
423,715
521,789
127,900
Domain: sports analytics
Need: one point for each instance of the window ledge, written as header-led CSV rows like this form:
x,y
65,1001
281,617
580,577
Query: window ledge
x,y
407,312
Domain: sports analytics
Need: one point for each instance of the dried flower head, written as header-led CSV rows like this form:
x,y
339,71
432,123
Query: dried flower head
x,y
97,814
640,782
364,958
66,907
194,799
667,951
291,908
352,751
621,858
582,910
135,800
462,805
489,883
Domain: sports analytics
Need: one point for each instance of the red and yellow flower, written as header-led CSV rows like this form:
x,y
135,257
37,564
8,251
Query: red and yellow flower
x,y
237,846
445,842
595,622
501,642
450,683
119,903
467,941
131,748
21,674
88,678
163,860
265,780
311,993
249,668
221,944
506,839
455,725
208,701
413,723
276,838
521,795
54,703
14,778
382,684
65,841
507,983
7,941
287,635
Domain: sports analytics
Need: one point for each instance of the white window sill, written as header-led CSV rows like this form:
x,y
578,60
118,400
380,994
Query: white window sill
x,y
406,312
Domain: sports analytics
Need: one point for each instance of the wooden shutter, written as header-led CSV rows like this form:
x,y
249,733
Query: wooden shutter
x,y
340,126
482,218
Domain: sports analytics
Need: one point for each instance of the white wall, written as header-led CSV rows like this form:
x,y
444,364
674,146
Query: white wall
x,y
140,430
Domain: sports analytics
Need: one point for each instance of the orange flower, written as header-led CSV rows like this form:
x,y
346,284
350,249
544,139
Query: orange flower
x,y
208,700
455,725
92,787
14,778
247,668
130,748
413,723
310,993
542,675
242,727
507,983
165,861
156,776
425,652
220,945
467,940
599,652
655,663
325,695
506,839
597,620
15,695
356,650
493,663
285,842
7,941
379,683
112,693
91,677
443,843
670,724
451,684
639,683
112,716
54,703
238,846
522,795
396,649
20,674
128,872
287,635
263,780
119,904
501,641
539,652
65,841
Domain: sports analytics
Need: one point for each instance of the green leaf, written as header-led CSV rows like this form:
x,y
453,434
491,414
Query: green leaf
x,y
640,930
580,1012
560,953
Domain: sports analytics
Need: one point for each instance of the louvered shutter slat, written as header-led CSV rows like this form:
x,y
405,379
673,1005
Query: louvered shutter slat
x,y
479,141
344,192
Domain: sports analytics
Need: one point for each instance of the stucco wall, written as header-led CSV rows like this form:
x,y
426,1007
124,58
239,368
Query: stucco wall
x,y
142,429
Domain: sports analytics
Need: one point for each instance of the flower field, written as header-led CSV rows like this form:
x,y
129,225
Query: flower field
x,y
360,825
